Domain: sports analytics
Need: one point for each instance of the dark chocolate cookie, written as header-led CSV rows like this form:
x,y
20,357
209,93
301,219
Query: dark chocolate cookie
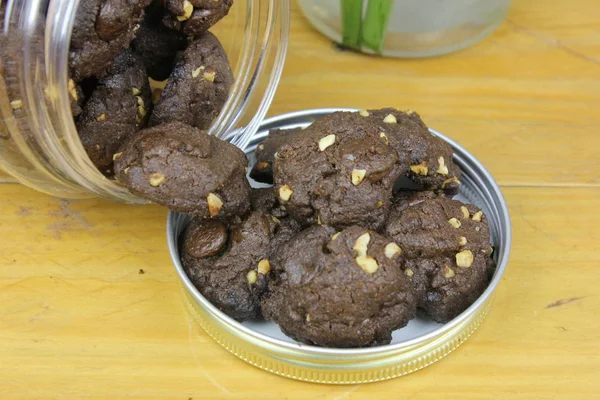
x,y
117,108
424,158
198,86
194,17
336,177
186,170
340,289
265,153
447,248
227,261
102,29
158,46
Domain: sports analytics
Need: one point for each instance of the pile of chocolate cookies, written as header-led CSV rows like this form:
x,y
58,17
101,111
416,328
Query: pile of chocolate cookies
x,y
117,45
337,252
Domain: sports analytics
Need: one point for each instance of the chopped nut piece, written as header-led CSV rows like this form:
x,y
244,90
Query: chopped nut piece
x,y
477,216
188,9
450,180
136,28
260,147
477,228
196,73
384,137
16,104
275,219
409,272
126,171
390,119
409,111
420,169
454,222
319,219
307,317
362,243
252,277
336,235
464,259
156,179
141,114
442,169
465,212
117,155
379,204
448,272
264,267
364,113
262,165
367,263
214,204
326,141
358,175
209,75
140,101
135,91
285,193
462,241
101,117
392,249
73,89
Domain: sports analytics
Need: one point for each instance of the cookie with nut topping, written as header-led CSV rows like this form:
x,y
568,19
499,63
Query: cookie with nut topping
x,y
102,29
339,289
336,175
194,17
423,158
186,170
198,87
117,108
265,153
227,261
447,249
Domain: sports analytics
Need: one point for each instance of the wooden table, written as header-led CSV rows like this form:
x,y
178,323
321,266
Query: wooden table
x,y
89,301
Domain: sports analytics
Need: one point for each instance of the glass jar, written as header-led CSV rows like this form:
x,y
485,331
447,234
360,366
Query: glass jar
x,y
406,28
39,144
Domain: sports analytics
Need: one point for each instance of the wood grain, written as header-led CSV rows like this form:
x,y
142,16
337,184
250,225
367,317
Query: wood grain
x,y
90,305
77,316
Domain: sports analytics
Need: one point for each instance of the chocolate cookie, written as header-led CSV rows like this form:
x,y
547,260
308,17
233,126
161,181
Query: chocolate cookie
x,y
198,86
424,158
186,170
102,29
158,46
265,153
340,289
117,108
194,17
227,261
338,179
447,247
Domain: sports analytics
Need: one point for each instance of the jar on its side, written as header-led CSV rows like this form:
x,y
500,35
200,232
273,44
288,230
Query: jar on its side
x,y
39,144
406,28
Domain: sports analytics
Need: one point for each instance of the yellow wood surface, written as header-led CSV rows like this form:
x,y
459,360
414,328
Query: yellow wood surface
x,y
79,319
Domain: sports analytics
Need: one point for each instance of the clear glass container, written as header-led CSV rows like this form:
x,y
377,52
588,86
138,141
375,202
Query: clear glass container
x,y
406,28
39,144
